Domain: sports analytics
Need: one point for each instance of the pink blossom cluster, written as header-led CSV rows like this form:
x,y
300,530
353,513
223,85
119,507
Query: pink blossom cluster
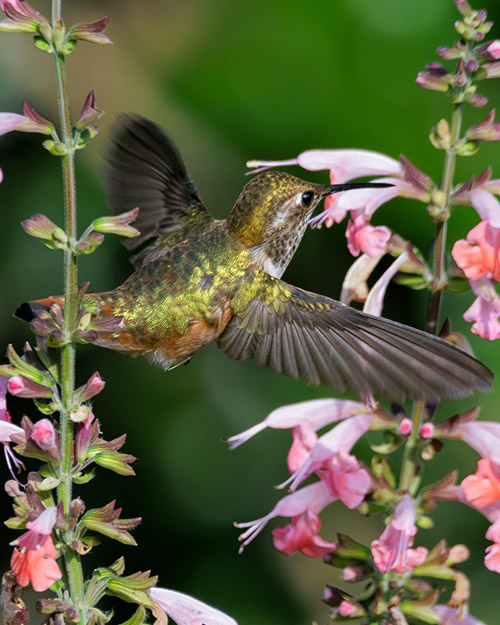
x,y
341,477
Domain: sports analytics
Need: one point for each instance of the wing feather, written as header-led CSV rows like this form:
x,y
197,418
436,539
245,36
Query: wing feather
x,y
322,341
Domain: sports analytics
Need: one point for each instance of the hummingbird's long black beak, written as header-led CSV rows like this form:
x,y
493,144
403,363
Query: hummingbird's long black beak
x,y
336,188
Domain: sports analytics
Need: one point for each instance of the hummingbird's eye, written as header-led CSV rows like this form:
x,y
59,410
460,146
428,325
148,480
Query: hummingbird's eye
x,y
307,198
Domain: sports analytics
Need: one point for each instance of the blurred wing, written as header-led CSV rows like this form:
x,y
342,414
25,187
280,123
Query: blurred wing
x,y
146,170
321,341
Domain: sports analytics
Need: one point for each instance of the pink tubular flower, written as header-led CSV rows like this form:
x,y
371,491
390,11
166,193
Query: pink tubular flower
x,y
483,436
301,534
312,498
346,479
186,610
35,560
392,551
310,415
23,387
364,238
450,616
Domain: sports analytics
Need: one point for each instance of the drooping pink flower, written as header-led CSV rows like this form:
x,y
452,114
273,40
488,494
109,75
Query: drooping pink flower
x,y
34,558
483,436
451,616
375,301
485,310
312,498
186,610
301,534
392,551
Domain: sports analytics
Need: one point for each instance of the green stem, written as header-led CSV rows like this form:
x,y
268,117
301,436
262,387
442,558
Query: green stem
x,y
410,459
442,226
72,559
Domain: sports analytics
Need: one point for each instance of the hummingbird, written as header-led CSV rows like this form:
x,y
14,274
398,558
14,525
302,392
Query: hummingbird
x,y
198,279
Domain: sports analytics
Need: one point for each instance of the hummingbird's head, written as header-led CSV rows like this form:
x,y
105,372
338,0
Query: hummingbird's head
x,y
271,215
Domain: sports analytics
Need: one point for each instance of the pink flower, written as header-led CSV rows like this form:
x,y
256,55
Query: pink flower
x,y
346,479
482,489
31,121
345,164
35,560
479,255
364,238
312,498
304,440
324,453
311,415
483,436
392,551
301,534
44,434
450,616
186,610
485,310
405,427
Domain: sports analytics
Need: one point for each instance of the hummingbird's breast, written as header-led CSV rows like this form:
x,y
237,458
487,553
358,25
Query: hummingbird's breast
x,y
179,302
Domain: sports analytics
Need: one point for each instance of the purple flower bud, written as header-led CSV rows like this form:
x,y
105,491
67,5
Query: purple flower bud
x,y
448,54
94,386
42,227
490,70
486,130
471,66
86,432
432,83
464,7
89,113
93,33
476,99
490,50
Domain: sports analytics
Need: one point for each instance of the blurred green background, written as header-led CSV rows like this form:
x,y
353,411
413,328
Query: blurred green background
x,y
233,81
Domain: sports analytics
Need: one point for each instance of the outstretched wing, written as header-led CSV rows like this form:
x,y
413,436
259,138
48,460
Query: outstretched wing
x,y
324,342
146,170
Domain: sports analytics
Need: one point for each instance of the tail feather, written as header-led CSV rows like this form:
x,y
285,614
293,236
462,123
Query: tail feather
x,y
27,310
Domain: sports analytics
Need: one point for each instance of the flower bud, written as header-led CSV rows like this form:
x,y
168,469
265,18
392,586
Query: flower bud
x,y
94,386
93,32
490,50
118,224
427,430
89,113
86,431
448,54
432,83
464,7
486,130
405,427
490,70
23,387
42,227
80,414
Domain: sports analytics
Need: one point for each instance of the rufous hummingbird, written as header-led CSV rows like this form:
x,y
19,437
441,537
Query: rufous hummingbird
x,y
198,279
